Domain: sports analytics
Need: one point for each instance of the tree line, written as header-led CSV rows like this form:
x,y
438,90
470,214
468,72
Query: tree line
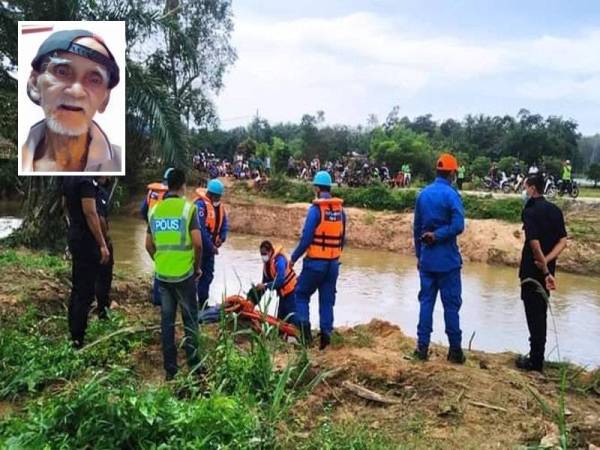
x,y
477,140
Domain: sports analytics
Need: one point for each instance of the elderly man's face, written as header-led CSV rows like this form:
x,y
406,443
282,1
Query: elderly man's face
x,y
72,89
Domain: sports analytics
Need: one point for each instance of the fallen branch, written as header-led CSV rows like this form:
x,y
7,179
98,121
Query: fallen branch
x,y
485,405
368,394
128,330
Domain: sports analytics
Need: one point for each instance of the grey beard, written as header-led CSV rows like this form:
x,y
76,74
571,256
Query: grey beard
x,y
59,128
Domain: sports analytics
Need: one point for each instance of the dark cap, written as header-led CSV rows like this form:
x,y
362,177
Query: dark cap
x,y
63,41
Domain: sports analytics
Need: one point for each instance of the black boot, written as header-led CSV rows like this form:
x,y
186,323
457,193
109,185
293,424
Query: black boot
x,y
526,363
305,334
421,354
456,356
325,341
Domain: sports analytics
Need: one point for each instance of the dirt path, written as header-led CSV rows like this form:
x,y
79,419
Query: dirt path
x,y
487,241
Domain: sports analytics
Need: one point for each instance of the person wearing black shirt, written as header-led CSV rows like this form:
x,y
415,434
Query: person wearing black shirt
x,y
105,271
545,239
88,249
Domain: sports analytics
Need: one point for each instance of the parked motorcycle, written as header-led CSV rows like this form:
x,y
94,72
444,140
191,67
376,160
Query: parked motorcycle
x,y
571,188
550,187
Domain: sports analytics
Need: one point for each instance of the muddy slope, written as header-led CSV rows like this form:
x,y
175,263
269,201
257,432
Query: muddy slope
x,y
486,241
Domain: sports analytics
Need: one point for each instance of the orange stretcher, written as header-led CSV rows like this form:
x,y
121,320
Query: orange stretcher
x,y
247,310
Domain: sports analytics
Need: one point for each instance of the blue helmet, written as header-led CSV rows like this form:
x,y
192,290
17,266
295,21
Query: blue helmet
x,y
215,187
322,178
166,174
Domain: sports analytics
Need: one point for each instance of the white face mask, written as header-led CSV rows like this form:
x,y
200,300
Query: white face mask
x,y
265,258
525,196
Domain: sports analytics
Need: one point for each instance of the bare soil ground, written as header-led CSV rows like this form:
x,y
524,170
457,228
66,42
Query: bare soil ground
x,y
487,241
486,403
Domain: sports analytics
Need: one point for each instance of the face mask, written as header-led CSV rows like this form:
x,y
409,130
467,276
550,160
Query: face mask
x,y
265,258
525,196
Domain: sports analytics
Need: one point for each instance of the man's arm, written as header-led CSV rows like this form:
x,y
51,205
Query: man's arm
x,y
197,244
224,229
417,224
88,205
150,247
63,201
308,232
457,220
557,250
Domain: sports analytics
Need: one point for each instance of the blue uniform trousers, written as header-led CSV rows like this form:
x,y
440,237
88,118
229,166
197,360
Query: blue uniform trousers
x,y
208,273
321,275
449,286
287,308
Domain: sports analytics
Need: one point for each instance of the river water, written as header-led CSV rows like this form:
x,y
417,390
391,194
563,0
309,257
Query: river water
x,y
383,285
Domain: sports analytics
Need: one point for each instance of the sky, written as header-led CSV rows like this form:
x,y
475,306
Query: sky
x,y
353,58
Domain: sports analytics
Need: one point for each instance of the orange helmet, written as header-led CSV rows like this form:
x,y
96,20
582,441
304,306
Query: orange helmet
x,y
447,162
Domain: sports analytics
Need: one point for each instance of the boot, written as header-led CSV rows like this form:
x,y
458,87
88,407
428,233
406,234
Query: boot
x,y
421,354
526,363
325,341
456,356
305,334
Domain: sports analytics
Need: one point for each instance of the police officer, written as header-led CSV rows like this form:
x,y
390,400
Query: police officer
x,y
154,195
105,271
322,240
214,226
174,242
278,275
88,249
438,220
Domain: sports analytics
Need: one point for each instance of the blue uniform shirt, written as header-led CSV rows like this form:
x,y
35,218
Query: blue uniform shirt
x,y
207,242
313,218
280,268
439,209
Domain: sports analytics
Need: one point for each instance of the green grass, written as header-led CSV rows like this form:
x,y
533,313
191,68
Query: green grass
x,y
380,198
10,257
589,192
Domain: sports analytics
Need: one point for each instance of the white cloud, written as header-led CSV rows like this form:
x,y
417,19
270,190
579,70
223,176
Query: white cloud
x,y
353,65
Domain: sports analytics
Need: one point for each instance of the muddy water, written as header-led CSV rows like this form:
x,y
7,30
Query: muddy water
x,y
376,284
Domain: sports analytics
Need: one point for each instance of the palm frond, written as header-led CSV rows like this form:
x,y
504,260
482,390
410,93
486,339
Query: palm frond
x,y
149,100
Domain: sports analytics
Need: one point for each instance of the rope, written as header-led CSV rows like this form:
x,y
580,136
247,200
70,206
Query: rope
x,y
540,289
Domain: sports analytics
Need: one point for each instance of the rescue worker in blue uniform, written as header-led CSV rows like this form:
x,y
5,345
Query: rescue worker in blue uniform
x,y
438,220
322,240
212,218
279,276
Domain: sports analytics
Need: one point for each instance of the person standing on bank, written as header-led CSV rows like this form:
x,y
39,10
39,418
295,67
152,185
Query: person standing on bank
x,y
88,249
105,271
438,220
545,239
322,240
214,227
460,176
174,242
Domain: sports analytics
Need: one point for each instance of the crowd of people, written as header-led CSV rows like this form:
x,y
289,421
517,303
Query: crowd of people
x,y
184,237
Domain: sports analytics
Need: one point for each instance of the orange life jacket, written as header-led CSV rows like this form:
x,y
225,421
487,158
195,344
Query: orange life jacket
x,y
329,235
212,226
156,192
290,279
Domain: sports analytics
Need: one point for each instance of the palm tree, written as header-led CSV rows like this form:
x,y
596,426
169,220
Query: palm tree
x,y
153,115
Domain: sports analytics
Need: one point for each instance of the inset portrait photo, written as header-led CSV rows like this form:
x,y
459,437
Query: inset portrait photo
x,y
71,95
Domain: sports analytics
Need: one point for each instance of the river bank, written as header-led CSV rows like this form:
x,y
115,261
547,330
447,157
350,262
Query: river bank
x,y
370,394
487,241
